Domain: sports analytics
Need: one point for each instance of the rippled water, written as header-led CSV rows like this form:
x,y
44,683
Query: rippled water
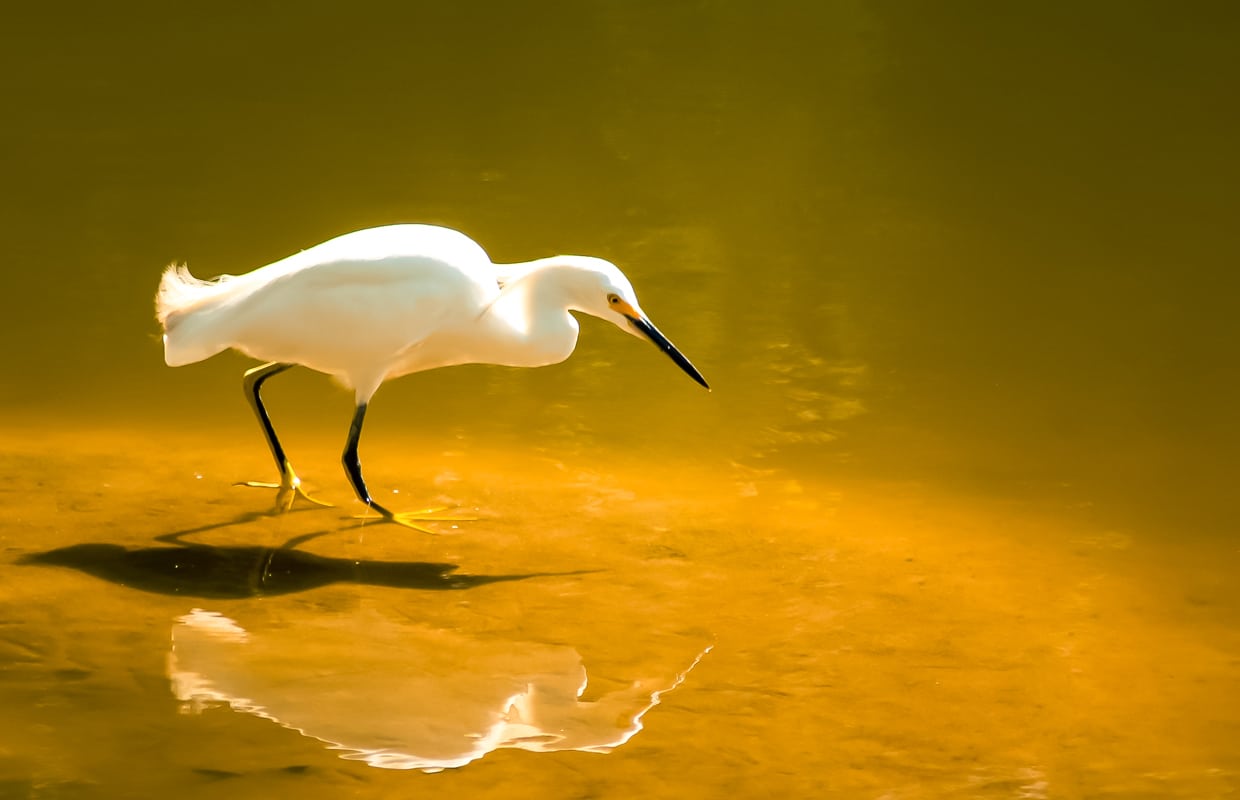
x,y
956,520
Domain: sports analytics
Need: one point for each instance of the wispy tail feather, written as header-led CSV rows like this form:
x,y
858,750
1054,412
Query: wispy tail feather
x,y
180,292
184,306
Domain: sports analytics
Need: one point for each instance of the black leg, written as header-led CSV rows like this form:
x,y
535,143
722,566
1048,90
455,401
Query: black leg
x,y
353,468
253,381
353,464
289,487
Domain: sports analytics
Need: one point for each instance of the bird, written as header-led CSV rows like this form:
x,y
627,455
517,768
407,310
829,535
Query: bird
x,y
377,304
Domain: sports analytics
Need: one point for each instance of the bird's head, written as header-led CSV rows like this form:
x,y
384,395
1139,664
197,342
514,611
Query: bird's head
x,y
601,290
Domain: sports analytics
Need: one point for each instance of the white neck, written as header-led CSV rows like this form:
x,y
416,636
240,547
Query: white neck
x,y
529,324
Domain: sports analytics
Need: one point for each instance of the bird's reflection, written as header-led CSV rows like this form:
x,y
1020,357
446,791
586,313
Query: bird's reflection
x,y
407,695
210,571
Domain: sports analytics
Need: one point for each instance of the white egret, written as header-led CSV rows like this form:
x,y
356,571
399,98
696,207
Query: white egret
x,y
376,304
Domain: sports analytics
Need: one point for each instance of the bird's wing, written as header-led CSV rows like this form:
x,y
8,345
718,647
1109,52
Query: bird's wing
x,y
348,317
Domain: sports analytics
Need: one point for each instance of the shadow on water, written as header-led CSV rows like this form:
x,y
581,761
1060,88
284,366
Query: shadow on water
x,y
190,569
210,571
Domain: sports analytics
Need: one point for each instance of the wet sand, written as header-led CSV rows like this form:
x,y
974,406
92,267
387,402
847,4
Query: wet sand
x,y
856,638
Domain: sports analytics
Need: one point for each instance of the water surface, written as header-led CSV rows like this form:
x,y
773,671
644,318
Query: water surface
x,y
956,520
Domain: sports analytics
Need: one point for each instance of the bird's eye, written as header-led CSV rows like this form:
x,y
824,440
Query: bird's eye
x,y
613,298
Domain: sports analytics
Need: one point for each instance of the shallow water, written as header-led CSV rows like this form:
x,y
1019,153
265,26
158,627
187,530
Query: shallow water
x,y
956,520
860,637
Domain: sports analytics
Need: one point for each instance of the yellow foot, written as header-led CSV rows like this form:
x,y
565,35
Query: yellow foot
x,y
410,519
287,490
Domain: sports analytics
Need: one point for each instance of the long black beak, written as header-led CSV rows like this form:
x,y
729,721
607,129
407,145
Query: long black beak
x,y
661,341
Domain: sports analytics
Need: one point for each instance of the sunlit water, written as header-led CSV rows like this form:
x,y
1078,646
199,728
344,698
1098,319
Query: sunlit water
x,y
728,628
956,520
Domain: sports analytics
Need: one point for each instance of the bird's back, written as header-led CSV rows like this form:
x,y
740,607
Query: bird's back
x,y
341,307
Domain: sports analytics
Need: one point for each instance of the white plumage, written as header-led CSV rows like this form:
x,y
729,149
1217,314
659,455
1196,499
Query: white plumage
x,y
384,302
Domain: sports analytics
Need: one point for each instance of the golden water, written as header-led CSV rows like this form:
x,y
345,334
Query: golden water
x,y
956,520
